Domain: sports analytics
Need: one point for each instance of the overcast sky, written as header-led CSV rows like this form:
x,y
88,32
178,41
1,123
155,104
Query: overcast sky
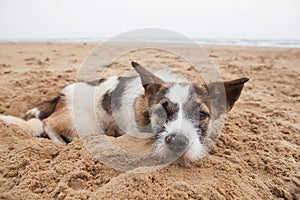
x,y
230,19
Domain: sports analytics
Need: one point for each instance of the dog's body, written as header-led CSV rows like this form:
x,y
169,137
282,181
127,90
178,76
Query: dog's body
x,y
176,112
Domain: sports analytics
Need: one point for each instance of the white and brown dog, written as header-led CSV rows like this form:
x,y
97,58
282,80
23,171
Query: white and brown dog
x,y
176,112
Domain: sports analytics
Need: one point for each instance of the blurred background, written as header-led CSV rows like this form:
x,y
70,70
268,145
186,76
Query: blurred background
x,y
231,21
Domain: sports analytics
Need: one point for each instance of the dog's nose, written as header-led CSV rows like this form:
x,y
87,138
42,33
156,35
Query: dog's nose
x,y
176,142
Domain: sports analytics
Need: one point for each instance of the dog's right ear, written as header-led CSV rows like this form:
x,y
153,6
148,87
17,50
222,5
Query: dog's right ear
x,y
232,91
150,82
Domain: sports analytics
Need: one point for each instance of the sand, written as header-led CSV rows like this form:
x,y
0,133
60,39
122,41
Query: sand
x,y
256,157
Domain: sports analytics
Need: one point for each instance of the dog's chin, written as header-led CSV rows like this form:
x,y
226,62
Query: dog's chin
x,y
180,158
184,161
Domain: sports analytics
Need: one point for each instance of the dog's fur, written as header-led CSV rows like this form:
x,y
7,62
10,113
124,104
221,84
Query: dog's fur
x,y
176,112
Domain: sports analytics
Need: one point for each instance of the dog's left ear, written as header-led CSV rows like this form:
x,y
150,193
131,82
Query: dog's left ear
x,y
232,88
147,77
150,82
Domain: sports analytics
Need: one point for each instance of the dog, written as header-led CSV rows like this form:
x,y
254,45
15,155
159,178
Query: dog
x,y
177,113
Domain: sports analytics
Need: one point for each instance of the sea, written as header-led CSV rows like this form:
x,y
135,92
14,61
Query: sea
x,y
204,41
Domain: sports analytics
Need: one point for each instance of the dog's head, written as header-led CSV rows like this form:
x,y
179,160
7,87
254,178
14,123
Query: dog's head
x,y
180,113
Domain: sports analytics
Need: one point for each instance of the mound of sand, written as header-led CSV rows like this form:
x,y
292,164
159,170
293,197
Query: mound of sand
x,y
256,157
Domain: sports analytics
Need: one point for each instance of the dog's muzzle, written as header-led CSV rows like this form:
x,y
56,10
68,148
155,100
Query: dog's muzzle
x,y
176,142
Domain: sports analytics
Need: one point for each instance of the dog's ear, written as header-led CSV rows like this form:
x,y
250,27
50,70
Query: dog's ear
x,y
150,82
233,91
146,76
232,88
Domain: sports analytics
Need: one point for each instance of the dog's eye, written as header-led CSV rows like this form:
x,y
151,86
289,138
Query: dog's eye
x,y
203,115
165,103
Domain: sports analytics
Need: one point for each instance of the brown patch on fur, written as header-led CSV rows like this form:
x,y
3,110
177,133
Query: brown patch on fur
x,y
202,94
61,122
106,103
140,111
60,104
170,108
156,92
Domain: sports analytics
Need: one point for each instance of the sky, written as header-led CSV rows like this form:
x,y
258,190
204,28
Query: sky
x,y
218,19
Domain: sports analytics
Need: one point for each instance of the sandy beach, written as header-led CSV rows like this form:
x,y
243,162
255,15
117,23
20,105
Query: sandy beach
x,y
256,157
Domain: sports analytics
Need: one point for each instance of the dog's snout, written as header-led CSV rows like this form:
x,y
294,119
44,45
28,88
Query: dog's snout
x,y
176,142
